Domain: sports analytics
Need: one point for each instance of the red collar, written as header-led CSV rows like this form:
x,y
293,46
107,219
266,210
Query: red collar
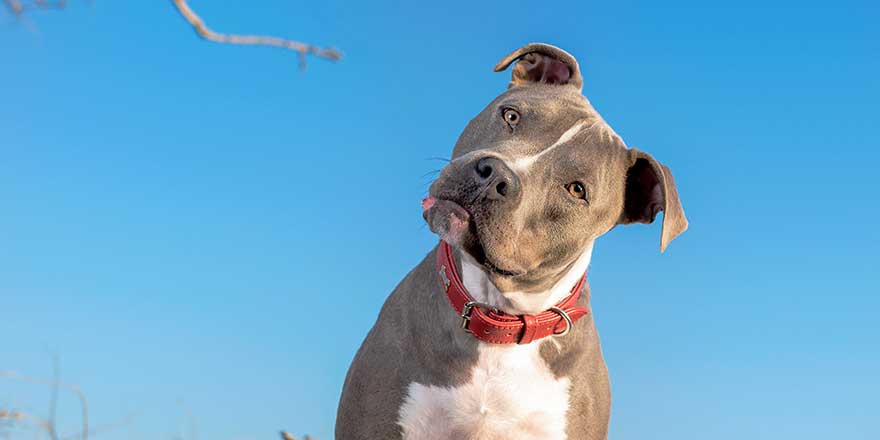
x,y
491,325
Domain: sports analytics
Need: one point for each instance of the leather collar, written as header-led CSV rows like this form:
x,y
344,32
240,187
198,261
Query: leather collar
x,y
489,324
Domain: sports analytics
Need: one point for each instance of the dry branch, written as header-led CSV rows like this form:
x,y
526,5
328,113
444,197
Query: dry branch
x,y
16,417
303,49
53,399
286,436
55,383
101,429
14,6
17,7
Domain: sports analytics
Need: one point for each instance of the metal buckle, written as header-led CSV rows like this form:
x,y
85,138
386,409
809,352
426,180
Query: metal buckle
x,y
566,318
468,309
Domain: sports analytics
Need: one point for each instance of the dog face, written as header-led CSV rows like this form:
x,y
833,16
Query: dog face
x,y
538,175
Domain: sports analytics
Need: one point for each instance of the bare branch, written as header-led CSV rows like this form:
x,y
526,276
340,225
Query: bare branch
x,y
23,418
14,6
191,419
287,436
17,7
53,399
127,420
72,388
303,49
46,4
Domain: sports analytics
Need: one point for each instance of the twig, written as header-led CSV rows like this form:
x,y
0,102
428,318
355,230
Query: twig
x,y
191,418
73,388
17,7
53,398
14,6
15,417
287,436
45,4
303,49
100,429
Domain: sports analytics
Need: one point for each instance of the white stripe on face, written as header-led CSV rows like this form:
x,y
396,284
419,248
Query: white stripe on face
x,y
523,163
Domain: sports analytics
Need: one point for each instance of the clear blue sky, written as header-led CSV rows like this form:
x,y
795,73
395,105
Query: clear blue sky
x,y
177,214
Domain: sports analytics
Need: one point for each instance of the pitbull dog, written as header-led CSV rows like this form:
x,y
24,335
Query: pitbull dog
x,y
534,179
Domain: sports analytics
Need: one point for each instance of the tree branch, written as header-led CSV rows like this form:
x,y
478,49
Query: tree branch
x,y
20,417
14,6
303,49
73,388
53,399
17,7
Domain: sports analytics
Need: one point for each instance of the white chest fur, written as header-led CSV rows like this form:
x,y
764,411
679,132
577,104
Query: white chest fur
x,y
511,395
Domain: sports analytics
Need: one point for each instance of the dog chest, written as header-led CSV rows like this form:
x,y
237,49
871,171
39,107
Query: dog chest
x,y
511,394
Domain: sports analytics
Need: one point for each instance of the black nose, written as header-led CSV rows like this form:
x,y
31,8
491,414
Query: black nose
x,y
496,178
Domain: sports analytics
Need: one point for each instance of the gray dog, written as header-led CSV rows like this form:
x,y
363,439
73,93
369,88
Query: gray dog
x,y
490,336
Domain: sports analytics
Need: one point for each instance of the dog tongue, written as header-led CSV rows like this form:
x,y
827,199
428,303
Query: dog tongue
x,y
445,218
427,203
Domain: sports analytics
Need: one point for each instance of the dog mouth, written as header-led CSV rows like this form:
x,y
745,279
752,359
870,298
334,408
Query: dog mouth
x,y
478,253
457,226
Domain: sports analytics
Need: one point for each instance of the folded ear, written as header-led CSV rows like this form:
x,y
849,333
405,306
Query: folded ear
x,y
542,63
649,190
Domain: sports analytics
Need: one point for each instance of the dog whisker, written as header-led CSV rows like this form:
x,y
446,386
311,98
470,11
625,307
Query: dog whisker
x,y
429,173
442,159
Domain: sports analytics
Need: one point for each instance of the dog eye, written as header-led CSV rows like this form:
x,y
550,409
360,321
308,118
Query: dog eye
x,y
511,117
577,190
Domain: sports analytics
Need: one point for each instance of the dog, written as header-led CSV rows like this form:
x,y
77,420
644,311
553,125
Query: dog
x,y
491,336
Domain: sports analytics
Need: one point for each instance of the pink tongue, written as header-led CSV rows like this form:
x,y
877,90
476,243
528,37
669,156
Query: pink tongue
x,y
446,219
427,203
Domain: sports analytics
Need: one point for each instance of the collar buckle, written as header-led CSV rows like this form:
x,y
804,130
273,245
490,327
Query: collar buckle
x,y
468,309
496,327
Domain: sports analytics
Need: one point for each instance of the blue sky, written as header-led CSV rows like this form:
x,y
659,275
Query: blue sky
x,y
177,215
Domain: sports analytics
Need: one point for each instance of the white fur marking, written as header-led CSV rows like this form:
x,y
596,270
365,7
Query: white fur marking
x,y
517,303
512,393
523,163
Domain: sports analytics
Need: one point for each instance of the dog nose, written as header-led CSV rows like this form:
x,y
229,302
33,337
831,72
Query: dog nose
x,y
497,179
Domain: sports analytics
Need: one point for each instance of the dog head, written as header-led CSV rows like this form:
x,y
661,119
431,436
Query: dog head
x,y
538,175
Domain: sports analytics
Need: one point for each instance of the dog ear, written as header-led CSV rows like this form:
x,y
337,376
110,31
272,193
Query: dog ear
x,y
541,63
650,189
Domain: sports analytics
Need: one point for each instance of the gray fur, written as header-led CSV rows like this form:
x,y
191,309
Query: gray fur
x,y
527,239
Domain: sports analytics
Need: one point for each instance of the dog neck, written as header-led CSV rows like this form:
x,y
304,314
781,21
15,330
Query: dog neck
x,y
478,284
